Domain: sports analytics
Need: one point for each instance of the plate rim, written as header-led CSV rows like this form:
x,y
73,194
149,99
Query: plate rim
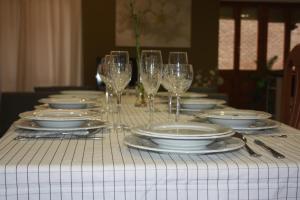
x,y
141,130
64,101
30,115
188,151
68,96
207,114
275,125
84,92
200,95
40,128
203,101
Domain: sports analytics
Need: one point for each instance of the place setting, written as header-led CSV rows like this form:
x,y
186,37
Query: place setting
x,y
245,121
69,103
184,138
193,106
59,124
177,137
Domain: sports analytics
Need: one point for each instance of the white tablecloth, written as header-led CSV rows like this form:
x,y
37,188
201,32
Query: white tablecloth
x,y
106,169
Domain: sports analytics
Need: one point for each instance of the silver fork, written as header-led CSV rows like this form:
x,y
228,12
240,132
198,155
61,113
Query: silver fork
x,y
250,151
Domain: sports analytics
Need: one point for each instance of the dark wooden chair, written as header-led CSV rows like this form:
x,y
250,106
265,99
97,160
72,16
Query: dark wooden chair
x,y
13,103
290,106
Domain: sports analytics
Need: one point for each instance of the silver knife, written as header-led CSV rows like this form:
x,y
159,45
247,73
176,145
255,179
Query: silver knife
x,y
276,154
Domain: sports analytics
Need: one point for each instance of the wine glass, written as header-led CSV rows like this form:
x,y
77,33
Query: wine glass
x,y
180,77
151,72
104,73
120,70
178,58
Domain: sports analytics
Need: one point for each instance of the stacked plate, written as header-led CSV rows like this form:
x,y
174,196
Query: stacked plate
x,y
68,96
201,104
243,120
58,118
82,92
192,106
50,121
197,138
67,103
187,95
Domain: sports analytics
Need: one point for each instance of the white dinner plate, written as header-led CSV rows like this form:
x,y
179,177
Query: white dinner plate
x,y
225,145
68,96
66,103
194,111
184,95
87,125
82,92
93,106
59,118
233,118
200,104
262,124
188,143
187,131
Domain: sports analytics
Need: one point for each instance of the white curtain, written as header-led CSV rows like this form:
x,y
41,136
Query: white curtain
x,y
40,43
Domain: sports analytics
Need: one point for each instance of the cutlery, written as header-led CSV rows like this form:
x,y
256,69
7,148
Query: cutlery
x,y
64,135
61,137
276,154
250,151
281,136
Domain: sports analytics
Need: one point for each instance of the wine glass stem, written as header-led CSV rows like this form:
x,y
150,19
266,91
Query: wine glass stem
x,y
108,99
177,108
170,106
151,108
119,95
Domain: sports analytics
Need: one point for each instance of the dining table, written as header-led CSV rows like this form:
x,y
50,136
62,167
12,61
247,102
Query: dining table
x,y
105,168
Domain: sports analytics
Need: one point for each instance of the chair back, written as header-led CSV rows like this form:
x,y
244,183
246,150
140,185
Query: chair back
x,y
13,103
290,106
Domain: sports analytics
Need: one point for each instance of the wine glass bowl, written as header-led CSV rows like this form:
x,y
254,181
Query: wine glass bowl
x,y
180,77
151,70
151,66
178,58
104,71
121,76
120,71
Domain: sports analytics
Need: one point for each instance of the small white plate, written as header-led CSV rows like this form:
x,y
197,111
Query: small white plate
x,y
184,95
170,143
262,124
234,117
87,125
66,103
92,106
200,104
58,118
68,96
188,143
187,131
194,111
82,92
225,145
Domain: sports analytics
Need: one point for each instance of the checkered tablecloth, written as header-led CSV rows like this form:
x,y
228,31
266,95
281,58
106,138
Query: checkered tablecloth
x,y
106,169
